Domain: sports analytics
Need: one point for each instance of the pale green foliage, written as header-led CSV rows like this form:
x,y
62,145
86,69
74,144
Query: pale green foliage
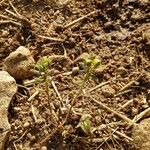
x,y
91,62
85,124
42,66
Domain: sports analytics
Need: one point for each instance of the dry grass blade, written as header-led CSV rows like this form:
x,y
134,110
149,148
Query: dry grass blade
x,y
34,95
9,21
6,17
107,138
33,112
79,19
121,134
126,104
15,10
57,92
123,117
143,114
10,12
50,38
98,86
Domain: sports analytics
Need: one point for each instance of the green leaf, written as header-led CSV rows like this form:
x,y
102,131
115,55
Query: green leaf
x,y
43,64
91,62
85,124
96,63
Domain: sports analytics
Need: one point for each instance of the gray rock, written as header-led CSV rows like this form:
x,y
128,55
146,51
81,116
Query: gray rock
x,y
141,135
20,63
8,88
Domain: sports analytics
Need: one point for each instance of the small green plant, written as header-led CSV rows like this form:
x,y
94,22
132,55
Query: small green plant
x,y
42,66
85,124
90,63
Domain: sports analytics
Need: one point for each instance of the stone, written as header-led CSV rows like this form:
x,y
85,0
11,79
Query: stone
x,y
44,148
146,35
75,70
19,63
4,127
100,70
26,124
121,71
8,88
108,91
141,135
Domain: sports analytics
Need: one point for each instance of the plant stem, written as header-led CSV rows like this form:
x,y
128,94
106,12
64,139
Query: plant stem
x,y
47,90
86,77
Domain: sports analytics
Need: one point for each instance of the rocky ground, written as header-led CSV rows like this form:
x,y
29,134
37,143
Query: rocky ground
x,y
115,99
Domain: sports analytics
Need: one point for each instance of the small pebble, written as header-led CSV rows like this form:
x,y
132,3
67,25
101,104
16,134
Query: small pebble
x,y
108,91
121,70
75,70
26,125
17,109
40,121
99,71
56,72
33,138
57,104
5,33
44,148
98,119
29,135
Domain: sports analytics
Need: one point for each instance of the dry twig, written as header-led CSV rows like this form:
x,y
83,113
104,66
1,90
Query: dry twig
x,y
15,10
6,17
10,12
98,86
50,38
29,82
123,135
79,19
126,104
34,95
33,112
57,92
123,117
9,21
141,115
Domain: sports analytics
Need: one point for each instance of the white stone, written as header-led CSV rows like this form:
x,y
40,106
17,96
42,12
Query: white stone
x,y
8,88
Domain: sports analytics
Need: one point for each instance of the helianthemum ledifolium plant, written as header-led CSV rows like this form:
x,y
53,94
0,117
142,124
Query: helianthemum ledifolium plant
x,y
42,66
91,62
